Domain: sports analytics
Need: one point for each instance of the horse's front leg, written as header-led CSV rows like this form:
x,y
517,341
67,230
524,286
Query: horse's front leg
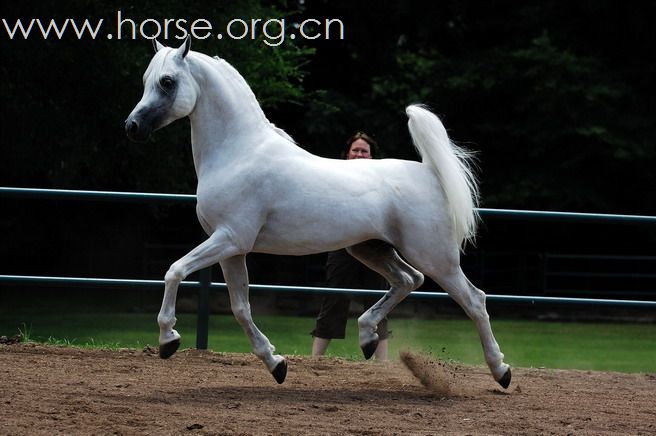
x,y
236,277
211,251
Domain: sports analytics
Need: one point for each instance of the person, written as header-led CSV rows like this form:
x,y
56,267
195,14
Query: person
x,y
344,271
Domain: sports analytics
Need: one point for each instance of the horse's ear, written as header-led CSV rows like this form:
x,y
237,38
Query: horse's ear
x,y
156,45
183,50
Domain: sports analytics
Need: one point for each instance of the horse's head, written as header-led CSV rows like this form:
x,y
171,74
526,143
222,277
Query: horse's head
x,y
170,92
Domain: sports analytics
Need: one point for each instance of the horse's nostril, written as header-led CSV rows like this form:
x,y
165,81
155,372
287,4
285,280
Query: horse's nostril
x,y
131,126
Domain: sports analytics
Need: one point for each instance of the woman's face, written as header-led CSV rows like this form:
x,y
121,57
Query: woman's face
x,y
359,149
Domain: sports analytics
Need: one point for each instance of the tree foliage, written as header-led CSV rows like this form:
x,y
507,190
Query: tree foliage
x,y
556,97
64,101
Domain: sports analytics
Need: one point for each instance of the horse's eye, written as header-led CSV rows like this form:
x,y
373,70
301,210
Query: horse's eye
x,y
167,83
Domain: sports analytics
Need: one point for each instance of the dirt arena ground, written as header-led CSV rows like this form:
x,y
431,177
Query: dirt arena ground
x,y
52,390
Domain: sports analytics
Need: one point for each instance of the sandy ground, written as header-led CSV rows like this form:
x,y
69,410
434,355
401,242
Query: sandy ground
x,y
53,390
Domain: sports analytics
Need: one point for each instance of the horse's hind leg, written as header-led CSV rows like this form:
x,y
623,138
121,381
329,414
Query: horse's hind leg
x,y
403,279
236,276
472,300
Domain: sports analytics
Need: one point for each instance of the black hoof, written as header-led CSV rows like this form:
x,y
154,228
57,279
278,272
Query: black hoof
x,y
280,372
167,350
369,349
505,380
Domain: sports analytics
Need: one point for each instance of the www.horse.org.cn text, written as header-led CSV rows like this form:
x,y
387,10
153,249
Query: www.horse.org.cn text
x,y
271,31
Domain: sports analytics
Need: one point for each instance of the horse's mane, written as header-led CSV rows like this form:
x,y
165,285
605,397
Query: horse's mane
x,y
231,74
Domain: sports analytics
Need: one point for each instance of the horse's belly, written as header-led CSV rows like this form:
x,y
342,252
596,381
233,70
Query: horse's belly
x,y
311,236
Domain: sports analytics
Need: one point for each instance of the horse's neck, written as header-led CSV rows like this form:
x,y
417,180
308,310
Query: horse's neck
x,y
227,118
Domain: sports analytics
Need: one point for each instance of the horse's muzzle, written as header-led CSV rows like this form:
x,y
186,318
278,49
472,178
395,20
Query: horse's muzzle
x,y
135,131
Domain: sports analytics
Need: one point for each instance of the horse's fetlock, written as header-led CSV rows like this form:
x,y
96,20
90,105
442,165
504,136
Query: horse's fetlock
x,y
166,321
365,323
264,351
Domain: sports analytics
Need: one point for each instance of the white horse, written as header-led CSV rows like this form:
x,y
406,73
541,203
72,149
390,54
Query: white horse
x,y
259,192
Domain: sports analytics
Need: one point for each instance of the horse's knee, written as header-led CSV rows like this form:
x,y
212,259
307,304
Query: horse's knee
x,y
242,313
417,279
476,304
470,298
409,280
174,274
479,297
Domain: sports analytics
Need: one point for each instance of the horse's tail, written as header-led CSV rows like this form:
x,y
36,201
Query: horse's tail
x,y
453,166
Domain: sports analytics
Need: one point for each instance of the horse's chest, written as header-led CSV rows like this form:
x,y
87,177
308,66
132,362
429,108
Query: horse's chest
x,y
228,203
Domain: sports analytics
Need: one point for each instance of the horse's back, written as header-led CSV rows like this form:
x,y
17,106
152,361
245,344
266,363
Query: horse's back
x,y
324,204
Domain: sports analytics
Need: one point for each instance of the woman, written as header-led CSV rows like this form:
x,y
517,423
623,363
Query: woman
x,y
344,271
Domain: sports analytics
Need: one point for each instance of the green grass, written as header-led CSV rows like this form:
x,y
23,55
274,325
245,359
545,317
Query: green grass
x,y
587,346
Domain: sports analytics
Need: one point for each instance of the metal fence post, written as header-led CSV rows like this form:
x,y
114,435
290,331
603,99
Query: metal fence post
x,y
202,325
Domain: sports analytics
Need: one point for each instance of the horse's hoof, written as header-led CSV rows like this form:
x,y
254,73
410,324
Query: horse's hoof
x,y
505,380
280,372
369,349
167,350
